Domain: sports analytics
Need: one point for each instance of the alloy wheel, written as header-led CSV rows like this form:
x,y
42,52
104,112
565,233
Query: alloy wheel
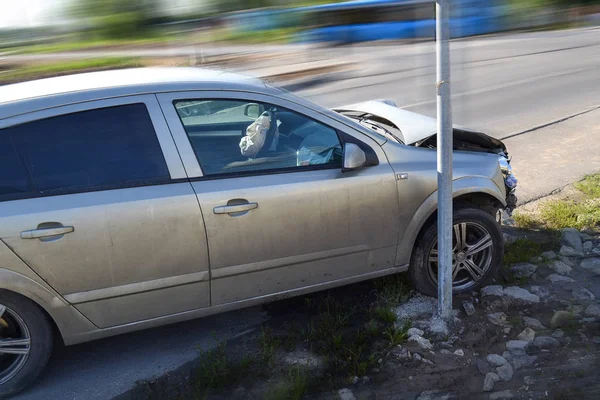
x,y
472,254
15,343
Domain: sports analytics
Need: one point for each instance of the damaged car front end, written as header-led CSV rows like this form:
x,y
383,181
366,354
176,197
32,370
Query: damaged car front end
x,y
417,130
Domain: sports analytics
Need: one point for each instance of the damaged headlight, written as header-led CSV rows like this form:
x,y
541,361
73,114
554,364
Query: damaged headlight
x,y
511,184
509,179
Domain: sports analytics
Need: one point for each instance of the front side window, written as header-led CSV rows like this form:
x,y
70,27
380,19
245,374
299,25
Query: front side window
x,y
99,149
233,136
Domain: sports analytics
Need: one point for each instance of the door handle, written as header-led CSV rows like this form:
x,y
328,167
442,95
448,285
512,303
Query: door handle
x,y
45,232
235,208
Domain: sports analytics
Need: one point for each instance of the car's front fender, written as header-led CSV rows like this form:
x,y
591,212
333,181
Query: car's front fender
x,y
460,187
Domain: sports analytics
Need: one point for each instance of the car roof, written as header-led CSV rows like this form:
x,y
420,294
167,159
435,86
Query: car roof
x,y
38,94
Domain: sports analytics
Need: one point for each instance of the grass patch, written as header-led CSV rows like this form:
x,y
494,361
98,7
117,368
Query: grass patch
x,y
524,250
293,387
398,334
560,214
566,213
590,185
218,370
525,221
392,290
91,44
386,315
64,67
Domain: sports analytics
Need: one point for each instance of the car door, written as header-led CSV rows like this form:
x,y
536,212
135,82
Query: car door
x,y
289,218
95,200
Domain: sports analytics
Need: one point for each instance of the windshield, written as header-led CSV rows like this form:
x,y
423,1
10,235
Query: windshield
x,y
377,124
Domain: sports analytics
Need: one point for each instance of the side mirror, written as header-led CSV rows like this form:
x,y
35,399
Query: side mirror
x,y
253,110
354,157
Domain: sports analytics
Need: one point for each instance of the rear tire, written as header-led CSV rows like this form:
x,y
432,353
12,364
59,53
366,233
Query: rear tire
x,y
473,265
24,320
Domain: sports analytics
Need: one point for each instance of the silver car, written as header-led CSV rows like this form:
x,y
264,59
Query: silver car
x,y
136,198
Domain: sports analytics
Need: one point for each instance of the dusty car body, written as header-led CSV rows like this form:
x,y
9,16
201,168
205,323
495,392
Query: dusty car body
x,y
125,203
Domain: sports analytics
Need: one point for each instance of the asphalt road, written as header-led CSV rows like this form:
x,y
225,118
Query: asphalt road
x,y
503,85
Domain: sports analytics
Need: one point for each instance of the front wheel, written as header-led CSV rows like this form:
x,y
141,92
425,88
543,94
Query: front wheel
x,y
25,342
477,251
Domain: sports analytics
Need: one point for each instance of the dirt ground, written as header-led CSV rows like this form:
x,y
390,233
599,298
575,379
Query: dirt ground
x,y
345,344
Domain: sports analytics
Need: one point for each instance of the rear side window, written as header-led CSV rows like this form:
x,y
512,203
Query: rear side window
x,y
99,149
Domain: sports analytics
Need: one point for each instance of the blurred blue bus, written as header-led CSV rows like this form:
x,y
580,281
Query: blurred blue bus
x,y
367,20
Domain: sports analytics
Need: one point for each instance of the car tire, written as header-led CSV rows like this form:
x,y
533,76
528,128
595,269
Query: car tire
x,y
478,224
21,314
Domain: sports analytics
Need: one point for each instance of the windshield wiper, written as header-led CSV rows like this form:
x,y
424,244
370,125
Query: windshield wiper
x,y
364,120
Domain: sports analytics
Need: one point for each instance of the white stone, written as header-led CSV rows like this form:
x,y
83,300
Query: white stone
x,y
505,372
533,323
345,394
582,294
423,343
593,310
556,278
496,360
592,265
518,293
490,379
459,353
572,237
355,380
523,270
492,290
560,267
415,331
527,335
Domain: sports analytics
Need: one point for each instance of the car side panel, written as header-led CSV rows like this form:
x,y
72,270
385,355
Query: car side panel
x,y
472,173
17,277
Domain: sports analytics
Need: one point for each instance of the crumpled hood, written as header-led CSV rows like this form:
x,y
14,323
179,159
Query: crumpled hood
x,y
417,127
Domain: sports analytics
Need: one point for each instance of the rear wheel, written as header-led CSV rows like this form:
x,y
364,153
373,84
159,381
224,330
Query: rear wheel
x,y
25,342
477,250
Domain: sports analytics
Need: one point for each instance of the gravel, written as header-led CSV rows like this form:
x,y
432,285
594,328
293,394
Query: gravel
x,y
593,310
523,270
492,290
561,318
518,293
560,267
568,251
527,335
498,318
545,342
556,278
517,345
496,360
503,395
571,237
505,372
533,323
582,294
490,379
592,265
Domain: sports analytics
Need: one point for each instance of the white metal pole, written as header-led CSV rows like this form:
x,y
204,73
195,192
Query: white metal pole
x,y
444,159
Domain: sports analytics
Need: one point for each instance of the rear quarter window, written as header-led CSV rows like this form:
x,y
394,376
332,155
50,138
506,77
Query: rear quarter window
x,y
99,149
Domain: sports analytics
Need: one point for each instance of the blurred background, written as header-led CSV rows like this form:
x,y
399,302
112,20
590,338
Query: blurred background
x,y
86,34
